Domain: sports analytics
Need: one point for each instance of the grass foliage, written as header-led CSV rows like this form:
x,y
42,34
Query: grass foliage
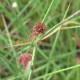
x,y
55,58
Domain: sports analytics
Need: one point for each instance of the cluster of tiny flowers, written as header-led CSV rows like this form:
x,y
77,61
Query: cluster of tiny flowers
x,y
24,59
38,29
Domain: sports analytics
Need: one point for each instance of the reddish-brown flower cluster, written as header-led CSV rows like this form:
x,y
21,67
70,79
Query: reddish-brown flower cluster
x,y
24,59
38,29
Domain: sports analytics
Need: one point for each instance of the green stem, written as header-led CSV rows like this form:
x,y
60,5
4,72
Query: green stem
x,y
48,11
32,63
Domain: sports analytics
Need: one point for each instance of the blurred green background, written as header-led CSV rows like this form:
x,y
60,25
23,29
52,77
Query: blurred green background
x,y
20,17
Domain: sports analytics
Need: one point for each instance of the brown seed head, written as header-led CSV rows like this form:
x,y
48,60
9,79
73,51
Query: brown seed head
x,y
39,28
24,59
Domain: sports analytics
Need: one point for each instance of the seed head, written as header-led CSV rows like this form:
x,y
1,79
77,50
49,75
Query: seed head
x,y
24,59
39,28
